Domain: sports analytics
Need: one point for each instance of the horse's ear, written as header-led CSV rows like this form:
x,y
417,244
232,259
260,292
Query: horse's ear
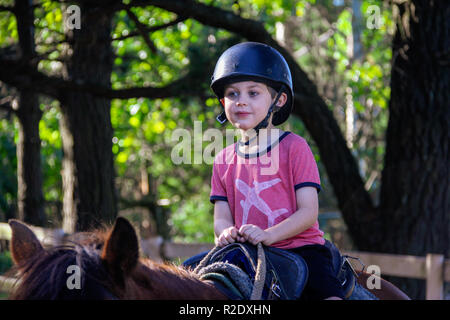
x,y
24,243
121,250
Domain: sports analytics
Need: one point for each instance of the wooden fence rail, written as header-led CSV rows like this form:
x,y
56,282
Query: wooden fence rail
x,y
433,267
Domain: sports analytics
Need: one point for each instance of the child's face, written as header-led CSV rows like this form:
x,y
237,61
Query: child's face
x,y
246,103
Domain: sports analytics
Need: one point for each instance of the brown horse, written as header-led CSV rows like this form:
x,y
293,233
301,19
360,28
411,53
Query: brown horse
x,y
108,267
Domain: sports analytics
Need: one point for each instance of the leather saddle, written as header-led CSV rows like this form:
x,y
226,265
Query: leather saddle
x,y
286,272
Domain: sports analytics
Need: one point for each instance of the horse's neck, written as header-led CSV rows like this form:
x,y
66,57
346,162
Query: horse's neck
x,y
387,290
175,283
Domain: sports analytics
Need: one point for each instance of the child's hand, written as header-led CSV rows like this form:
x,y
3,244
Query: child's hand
x,y
229,235
255,234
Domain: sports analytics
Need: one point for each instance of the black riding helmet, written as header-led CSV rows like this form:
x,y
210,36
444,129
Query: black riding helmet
x,y
253,61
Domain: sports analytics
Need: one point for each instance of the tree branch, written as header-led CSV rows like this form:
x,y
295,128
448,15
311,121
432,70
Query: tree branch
x,y
7,9
6,104
150,29
209,15
142,203
20,75
142,30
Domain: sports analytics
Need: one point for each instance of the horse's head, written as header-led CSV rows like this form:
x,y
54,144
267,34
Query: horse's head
x,y
88,268
97,265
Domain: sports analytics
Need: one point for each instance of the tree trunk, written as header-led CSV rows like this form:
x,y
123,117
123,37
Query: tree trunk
x,y
29,176
415,195
88,168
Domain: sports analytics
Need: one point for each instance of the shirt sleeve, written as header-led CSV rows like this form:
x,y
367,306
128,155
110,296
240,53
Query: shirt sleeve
x,y
305,171
218,191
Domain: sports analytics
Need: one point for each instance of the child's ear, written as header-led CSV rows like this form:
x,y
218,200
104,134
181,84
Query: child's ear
x,y
222,101
282,100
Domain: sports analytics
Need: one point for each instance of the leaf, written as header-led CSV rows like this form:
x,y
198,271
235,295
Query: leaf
x,y
134,121
122,157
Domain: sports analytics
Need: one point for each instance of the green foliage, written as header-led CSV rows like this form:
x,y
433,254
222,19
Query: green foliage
x,y
8,27
326,40
192,222
8,168
51,157
5,261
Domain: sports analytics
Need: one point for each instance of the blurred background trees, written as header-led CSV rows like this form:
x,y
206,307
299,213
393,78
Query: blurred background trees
x,y
87,114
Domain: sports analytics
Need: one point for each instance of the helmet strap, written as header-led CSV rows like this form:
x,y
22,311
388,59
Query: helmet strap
x,y
222,117
265,122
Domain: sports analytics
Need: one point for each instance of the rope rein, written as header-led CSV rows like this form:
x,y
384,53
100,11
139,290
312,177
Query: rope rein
x,y
260,276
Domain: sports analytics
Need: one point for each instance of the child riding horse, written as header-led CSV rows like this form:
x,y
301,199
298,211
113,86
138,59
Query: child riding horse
x,y
110,269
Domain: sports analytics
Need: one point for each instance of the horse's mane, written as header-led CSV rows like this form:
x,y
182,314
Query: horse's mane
x,y
45,276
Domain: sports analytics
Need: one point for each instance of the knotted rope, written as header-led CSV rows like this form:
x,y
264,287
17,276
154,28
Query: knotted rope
x,y
260,275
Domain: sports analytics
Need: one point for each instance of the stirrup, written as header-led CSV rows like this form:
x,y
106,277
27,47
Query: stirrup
x,y
345,258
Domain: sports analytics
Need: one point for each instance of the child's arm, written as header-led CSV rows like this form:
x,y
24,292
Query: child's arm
x,y
305,216
224,230
303,219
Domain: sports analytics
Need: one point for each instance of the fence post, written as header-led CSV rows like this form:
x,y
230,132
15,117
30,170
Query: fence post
x,y
435,276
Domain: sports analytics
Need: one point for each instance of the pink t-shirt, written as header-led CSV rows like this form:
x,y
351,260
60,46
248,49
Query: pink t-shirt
x,y
260,189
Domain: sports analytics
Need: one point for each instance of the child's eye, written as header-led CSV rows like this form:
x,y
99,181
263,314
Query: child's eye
x,y
231,94
253,93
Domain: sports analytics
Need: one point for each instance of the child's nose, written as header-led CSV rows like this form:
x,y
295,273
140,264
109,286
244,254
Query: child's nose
x,y
241,102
